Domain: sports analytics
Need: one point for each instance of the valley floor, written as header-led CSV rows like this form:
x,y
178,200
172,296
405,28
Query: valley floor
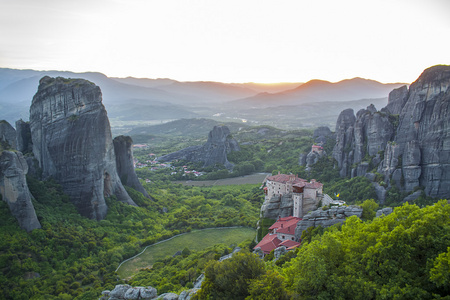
x,y
248,179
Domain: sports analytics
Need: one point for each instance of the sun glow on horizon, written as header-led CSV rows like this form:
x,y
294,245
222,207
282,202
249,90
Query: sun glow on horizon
x,y
227,41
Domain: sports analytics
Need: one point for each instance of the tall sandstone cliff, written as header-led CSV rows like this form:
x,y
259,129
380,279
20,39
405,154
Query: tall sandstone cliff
x,y
408,141
14,189
72,141
214,151
124,162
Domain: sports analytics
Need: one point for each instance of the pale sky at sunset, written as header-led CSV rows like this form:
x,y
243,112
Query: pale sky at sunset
x,y
229,41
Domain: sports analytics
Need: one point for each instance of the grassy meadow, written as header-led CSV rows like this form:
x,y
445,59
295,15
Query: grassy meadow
x,y
195,241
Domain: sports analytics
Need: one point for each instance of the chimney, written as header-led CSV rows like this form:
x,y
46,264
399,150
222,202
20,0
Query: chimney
x,y
281,225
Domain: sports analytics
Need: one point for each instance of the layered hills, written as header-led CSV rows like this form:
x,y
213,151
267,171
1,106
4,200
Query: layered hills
x,y
133,102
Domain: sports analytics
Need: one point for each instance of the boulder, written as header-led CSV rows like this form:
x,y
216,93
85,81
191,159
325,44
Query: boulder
x,y
384,212
72,142
119,291
168,296
380,191
278,252
187,295
413,196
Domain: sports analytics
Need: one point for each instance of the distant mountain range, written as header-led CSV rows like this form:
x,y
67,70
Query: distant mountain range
x,y
140,101
323,91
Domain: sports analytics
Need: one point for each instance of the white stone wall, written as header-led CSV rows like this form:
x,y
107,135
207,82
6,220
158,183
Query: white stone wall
x,y
298,205
285,236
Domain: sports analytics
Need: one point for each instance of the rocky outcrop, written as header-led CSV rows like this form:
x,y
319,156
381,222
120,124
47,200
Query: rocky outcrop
x,y
368,135
342,151
384,212
23,137
424,128
321,134
14,189
7,134
214,151
326,218
278,206
124,162
396,101
408,141
72,142
125,291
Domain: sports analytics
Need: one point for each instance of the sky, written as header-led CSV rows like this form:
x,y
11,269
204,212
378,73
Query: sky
x,y
228,41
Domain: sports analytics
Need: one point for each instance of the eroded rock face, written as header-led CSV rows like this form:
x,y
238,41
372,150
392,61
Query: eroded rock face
x,y
14,189
72,141
23,137
412,131
424,129
396,100
214,151
124,162
321,134
342,151
7,134
326,218
278,206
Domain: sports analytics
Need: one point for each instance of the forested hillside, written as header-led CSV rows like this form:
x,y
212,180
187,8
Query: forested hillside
x,y
73,257
404,255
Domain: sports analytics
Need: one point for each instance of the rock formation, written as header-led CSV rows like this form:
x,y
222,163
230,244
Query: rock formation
x,y
124,162
342,151
14,189
326,218
125,291
23,137
408,141
214,151
7,134
279,206
72,142
321,134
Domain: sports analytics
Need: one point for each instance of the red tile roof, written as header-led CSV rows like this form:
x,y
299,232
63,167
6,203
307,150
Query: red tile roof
x,y
268,243
283,178
289,244
286,225
282,224
311,185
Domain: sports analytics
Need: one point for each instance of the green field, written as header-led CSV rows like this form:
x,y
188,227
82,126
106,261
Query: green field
x,y
248,179
195,241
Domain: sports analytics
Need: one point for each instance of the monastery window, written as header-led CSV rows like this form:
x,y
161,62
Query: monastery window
x,y
283,237
292,238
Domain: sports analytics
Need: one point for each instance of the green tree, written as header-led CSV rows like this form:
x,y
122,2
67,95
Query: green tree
x,y
269,286
231,278
369,209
